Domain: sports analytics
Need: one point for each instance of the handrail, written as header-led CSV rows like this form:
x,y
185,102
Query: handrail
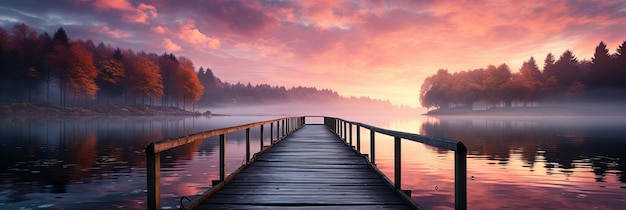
x,y
341,128
153,160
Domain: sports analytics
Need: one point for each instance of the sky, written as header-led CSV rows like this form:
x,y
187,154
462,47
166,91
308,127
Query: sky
x,y
377,48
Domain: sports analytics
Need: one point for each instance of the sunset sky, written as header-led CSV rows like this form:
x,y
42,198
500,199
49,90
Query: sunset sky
x,y
382,49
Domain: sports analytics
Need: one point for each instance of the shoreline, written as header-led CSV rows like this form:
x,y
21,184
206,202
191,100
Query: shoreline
x,y
532,111
43,109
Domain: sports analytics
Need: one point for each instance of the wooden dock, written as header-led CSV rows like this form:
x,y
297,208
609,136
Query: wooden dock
x,y
311,168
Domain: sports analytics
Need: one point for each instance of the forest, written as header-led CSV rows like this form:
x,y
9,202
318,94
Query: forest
x,y
566,79
39,68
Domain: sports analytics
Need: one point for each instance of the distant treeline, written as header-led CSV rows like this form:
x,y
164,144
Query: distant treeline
x,y
54,69
565,79
218,92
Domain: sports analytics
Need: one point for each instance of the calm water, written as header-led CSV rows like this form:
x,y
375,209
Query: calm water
x,y
98,162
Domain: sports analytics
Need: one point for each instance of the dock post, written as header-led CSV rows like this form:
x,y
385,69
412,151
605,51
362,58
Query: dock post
x,y
339,131
372,147
460,177
397,163
350,134
277,131
271,135
358,138
153,162
222,157
247,145
262,137
345,131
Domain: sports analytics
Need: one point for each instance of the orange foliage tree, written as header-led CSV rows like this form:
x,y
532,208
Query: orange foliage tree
x,y
144,78
82,73
187,87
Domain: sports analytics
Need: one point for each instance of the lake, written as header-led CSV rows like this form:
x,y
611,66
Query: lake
x,y
520,162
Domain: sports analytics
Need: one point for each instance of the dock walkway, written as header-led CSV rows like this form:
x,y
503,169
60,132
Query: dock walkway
x,y
311,168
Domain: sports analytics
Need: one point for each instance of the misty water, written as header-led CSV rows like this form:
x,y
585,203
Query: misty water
x,y
513,162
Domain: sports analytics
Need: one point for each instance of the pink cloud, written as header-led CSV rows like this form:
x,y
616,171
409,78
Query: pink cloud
x,y
115,33
171,46
328,13
140,14
189,33
159,29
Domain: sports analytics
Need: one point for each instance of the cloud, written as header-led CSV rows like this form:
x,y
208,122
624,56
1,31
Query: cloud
x,y
159,29
243,18
140,14
115,33
171,46
189,33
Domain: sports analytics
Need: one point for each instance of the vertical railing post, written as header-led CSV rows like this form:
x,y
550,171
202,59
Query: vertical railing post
x,y
271,134
372,147
358,138
350,130
277,131
247,145
222,157
397,162
345,131
262,137
153,161
460,176
339,131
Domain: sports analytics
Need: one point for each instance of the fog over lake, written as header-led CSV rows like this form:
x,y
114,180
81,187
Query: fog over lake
x,y
554,162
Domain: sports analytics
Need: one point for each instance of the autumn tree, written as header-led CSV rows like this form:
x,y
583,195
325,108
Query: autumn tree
x,y
530,79
495,82
434,89
187,87
82,73
111,73
466,87
144,79
168,64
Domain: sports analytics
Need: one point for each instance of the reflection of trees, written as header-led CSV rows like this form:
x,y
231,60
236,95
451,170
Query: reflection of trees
x,y
562,144
45,155
82,152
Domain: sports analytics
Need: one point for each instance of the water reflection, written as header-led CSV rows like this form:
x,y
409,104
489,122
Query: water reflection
x,y
552,163
559,145
99,162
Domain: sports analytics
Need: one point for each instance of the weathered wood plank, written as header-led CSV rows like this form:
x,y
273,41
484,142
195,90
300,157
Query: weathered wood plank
x,y
312,168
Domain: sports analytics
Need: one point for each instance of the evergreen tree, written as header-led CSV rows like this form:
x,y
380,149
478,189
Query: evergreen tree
x,y
620,65
61,37
601,68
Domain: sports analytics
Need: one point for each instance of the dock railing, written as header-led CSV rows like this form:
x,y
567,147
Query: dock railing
x,y
343,129
284,126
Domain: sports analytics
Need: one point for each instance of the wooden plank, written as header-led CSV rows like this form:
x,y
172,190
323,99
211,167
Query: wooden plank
x,y
311,168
